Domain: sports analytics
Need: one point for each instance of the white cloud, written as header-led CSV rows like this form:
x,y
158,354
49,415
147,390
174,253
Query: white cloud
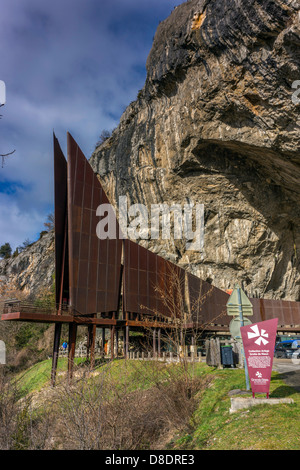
x,y
17,225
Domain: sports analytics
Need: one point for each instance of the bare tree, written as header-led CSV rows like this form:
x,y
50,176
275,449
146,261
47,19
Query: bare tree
x,y
127,406
184,308
105,135
50,222
19,428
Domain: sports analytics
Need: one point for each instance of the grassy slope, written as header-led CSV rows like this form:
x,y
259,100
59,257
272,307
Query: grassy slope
x,y
38,376
138,374
261,427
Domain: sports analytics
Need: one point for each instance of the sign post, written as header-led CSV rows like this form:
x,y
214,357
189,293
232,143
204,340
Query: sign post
x,y
259,342
239,305
243,352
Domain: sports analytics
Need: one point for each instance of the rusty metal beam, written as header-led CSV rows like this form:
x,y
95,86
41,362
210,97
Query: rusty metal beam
x,y
38,318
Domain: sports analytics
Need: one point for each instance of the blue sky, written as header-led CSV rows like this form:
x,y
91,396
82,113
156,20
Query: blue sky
x,y
71,65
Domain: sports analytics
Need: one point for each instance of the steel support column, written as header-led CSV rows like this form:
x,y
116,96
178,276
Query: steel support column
x,y
126,341
103,342
57,334
89,341
92,360
72,345
91,344
117,342
112,342
158,341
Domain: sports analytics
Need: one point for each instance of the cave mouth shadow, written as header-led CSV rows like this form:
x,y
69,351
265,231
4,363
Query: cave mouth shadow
x,y
259,175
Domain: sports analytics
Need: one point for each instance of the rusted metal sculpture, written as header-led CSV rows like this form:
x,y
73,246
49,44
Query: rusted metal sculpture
x,y
118,284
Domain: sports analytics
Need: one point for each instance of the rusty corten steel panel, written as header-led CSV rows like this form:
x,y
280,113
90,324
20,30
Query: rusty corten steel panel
x,y
287,312
94,264
260,313
60,221
295,308
174,283
150,282
131,287
207,303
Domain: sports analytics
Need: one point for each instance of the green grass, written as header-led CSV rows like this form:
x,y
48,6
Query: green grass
x,y
38,376
262,427
138,374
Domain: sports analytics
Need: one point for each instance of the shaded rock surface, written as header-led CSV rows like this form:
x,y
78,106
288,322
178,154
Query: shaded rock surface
x,y
216,124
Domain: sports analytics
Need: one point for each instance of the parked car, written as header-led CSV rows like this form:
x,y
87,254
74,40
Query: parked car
x,y
288,349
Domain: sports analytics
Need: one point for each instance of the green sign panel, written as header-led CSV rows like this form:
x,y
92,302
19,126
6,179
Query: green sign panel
x,y
235,327
233,305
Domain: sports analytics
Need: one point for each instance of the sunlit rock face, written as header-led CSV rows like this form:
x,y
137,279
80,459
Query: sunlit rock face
x,y
216,123
31,272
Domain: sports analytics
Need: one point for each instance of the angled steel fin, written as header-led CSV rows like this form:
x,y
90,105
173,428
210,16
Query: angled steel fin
x,y
60,221
94,264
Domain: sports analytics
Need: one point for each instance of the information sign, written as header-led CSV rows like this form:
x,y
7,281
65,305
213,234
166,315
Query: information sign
x,y
259,343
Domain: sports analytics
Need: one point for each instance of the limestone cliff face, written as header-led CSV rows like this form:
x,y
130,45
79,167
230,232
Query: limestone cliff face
x,y
216,124
30,272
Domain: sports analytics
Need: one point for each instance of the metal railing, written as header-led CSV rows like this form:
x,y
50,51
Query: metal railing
x,y
25,306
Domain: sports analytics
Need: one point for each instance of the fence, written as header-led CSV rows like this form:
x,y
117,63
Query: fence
x,y
81,351
13,306
212,355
